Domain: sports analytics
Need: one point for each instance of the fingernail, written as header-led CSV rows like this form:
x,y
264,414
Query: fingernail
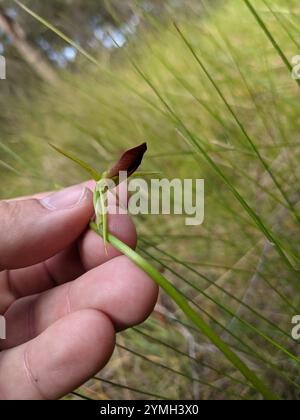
x,y
65,199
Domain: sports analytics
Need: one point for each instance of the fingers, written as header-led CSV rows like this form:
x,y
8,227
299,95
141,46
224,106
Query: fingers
x,y
118,288
59,360
15,284
67,265
34,230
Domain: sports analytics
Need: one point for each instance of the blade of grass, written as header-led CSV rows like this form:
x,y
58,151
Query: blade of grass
x,y
84,397
214,284
10,168
57,32
193,140
252,95
182,353
130,388
231,313
233,269
190,313
82,51
176,372
250,352
91,171
239,123
270,37
283,25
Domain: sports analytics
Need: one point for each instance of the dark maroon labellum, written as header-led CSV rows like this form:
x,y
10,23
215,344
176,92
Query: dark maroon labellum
x,y
128,162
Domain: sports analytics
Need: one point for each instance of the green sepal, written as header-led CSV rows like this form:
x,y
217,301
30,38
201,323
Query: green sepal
x,y
91,171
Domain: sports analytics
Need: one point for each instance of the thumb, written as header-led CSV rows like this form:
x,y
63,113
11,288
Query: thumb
x,y
33,230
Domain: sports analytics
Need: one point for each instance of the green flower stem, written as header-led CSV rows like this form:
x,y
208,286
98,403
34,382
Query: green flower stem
x,y
189,312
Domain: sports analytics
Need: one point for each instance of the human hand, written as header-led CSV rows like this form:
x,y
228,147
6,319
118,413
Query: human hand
x,y
62,296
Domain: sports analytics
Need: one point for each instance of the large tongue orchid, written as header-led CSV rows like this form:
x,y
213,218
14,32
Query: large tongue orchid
x,y
127,164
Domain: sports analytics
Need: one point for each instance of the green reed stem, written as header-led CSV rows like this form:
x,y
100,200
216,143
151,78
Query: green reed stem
x,y
189,312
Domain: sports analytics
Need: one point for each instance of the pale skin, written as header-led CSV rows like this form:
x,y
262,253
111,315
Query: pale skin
x,y
63,296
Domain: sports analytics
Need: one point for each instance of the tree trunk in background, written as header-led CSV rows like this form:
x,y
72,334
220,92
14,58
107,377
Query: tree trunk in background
x,y
28,51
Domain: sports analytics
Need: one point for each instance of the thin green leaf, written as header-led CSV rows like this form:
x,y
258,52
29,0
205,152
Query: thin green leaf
x,y
270,37
190,313
130,388
91,171
57,32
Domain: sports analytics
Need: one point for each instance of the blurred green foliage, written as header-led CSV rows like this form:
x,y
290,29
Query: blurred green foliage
x,y
97,111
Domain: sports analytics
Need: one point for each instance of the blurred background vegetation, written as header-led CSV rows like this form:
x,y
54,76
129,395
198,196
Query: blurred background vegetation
x,y
123,74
